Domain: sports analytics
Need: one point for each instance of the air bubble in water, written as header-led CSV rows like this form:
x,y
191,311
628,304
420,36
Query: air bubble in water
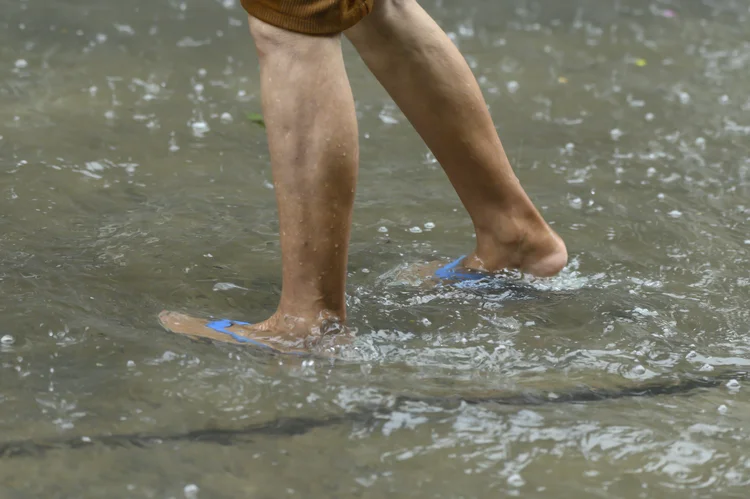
x,y
415,230
429,226
639,369
723,409
226,118
385,229
7,340
733,384
21,63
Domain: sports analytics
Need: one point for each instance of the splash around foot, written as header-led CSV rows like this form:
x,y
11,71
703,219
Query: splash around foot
x,y
274,336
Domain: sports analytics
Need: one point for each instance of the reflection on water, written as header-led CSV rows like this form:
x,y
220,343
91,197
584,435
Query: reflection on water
x,y
132,180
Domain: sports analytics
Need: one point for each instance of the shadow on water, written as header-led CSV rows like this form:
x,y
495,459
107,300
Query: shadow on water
x,y
287,427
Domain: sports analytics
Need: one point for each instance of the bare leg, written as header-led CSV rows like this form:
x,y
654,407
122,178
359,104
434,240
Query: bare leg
x,y
312,136
432,84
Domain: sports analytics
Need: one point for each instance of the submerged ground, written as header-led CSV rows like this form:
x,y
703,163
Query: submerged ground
x,y
132,180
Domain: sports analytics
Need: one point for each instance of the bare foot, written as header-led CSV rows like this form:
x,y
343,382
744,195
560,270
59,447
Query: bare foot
x,y
278,334
537,251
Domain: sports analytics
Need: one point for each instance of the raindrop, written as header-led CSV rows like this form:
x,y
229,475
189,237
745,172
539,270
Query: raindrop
x,y
226,286
515,480
191,491
733,384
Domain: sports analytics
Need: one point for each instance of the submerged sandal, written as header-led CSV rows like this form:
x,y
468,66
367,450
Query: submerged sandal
x,y
454,272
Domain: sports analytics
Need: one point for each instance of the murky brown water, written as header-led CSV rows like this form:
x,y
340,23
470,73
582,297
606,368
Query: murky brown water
x,y
124,189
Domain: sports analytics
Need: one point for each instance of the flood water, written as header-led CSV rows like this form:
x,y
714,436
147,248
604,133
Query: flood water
x,y
132,180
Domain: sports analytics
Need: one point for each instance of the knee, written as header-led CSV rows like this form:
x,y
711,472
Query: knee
x,y
277,43
393,6
268,39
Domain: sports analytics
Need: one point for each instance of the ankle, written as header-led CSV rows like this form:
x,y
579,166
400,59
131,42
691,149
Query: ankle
x,y
316,321
518,241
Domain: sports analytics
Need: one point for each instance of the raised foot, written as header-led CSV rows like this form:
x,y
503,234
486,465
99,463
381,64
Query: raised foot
x,y
275,335
541,253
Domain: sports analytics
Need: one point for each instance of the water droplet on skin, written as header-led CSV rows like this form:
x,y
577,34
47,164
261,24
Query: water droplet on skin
x,y
7,340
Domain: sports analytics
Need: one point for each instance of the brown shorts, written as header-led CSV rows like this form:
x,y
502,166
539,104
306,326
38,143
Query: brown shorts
x,y
312,17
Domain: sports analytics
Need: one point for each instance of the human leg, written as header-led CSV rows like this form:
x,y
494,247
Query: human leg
x,y
432,84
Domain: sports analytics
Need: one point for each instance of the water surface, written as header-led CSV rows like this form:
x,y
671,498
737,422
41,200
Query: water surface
x,y
131,181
